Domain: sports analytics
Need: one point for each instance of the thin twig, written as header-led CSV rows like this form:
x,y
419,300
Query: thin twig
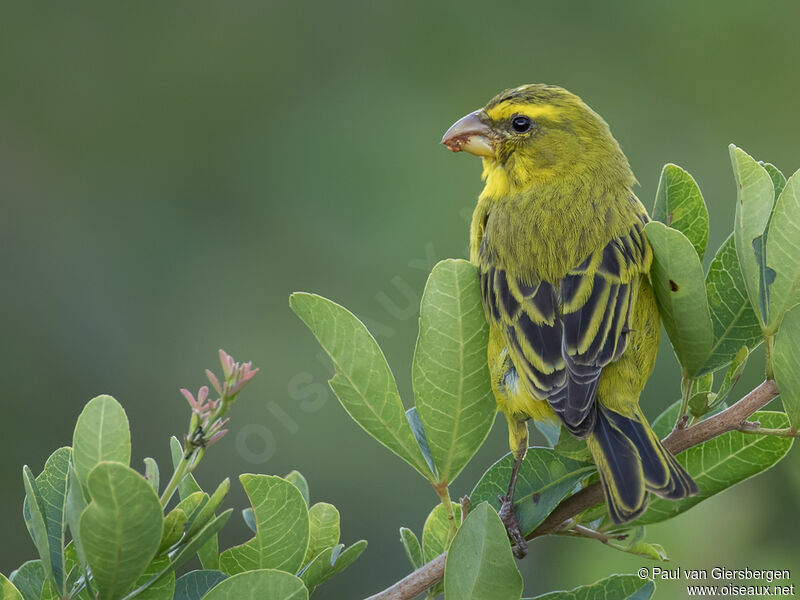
x,y
730,419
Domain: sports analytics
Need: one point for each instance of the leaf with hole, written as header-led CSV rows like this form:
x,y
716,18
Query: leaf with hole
x,y
755,200
783,253
679,286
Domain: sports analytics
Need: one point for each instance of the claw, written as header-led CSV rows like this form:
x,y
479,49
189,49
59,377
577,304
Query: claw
x,y
509,519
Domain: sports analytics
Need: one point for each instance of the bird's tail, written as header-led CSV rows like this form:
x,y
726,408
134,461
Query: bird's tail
x,y
632,462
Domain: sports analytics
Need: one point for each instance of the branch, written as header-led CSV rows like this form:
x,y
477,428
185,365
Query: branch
x,y
733,418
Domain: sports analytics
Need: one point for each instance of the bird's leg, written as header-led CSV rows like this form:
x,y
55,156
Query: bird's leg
x,y
506,513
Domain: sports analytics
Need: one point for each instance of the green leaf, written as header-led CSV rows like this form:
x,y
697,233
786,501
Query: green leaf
x,y
546,477
297,480
33,513
262,584
185,552
363,381
616,587
51,486
282,525
323,532
778,178
422,441
28,579
151,473
452,389
732,375
76,502
786,364
7,590
161,589
480,565
735,323
783,253
678,283
436,533
412,547
195,584
121,528
722,462
208,509
101,434
249,519
172,530
753,209
329,562
680,205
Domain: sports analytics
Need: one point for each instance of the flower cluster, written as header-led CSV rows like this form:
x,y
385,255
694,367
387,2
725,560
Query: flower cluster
x,y
207,415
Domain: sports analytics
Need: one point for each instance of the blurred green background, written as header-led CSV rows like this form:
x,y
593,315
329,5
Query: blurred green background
x,y
170,172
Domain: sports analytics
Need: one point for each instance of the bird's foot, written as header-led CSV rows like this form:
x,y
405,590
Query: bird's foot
x,y
509,519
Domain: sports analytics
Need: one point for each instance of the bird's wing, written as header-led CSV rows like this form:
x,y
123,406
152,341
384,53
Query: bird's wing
x,y
561,335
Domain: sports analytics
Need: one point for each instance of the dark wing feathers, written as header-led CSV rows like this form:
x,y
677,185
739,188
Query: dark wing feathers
x,y
560,336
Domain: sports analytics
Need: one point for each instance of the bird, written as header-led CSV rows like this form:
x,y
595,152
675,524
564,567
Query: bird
x,y
557,236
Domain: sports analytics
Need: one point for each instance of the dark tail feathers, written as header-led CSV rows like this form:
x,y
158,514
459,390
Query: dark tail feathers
x,y
632,462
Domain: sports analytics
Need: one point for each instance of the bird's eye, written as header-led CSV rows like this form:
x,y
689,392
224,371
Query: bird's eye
x,y
520,123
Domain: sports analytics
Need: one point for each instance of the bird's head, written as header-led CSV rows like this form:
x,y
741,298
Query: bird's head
x,y
536,134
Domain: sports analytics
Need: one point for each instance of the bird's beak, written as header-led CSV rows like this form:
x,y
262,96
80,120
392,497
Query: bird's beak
x,y
472,135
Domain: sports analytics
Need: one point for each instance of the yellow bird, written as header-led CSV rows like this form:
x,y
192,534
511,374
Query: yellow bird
x,y
557,236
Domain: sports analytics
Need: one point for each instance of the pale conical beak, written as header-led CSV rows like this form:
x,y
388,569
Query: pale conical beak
x,y
472,135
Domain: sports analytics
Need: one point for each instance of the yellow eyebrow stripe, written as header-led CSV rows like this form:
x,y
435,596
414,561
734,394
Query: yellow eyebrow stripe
x,y
534,111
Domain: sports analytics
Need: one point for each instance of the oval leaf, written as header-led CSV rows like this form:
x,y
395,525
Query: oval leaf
x,y
722,462
680,205
616,587
480,565
7,590
101,433
120,529
195,584
412,547
262,584
28,579
281,536
678,283
363,382
753,208
297,480
786,364
323,520
329,562
546,477
735,323
783,252
436,532
452,390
